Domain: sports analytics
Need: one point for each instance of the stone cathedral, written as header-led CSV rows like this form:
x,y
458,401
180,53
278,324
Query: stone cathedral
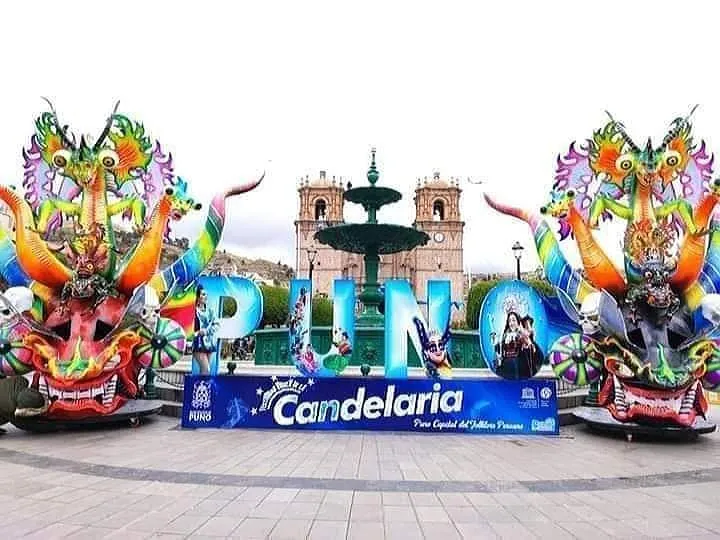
x,y
437,212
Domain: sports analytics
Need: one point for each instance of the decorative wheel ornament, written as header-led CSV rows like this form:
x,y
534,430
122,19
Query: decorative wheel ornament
x,y
15,358
163,347
574,358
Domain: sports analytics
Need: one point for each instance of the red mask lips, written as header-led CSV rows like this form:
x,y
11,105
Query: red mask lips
x,y
628,402
84,378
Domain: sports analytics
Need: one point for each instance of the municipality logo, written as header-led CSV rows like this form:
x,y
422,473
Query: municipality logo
x,y
547,425
201,396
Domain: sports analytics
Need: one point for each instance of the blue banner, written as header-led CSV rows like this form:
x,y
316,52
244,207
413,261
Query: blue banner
x,y
448,406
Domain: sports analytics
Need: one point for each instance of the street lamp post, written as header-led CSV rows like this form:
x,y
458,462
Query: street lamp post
x,y
517,251
311,255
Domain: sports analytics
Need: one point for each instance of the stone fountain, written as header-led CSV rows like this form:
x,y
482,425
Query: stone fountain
x,y
371,239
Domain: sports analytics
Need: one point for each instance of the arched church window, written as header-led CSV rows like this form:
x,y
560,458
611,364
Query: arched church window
x,y
320,210
438,211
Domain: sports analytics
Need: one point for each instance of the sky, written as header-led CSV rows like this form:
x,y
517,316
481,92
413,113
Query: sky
x,y
491,91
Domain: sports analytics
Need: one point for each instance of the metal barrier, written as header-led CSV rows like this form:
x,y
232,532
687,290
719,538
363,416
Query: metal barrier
x,y
174,379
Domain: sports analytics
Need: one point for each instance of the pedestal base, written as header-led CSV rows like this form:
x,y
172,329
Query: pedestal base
x,y
599,419
130,413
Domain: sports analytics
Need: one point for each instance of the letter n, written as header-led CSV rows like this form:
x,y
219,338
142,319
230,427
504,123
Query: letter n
x,y
401,307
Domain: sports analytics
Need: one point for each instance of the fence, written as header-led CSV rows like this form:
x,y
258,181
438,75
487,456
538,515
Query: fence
x,y
174,378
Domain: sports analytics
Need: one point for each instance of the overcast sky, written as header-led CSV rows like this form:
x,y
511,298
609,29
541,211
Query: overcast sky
x,y
488,90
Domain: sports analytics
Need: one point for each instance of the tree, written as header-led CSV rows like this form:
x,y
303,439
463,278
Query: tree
x,y
275,305
228,307
542,286
477,294
276,309
322,312
479,291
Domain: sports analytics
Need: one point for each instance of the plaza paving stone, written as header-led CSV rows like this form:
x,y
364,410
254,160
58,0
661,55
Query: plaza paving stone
x,y
160,481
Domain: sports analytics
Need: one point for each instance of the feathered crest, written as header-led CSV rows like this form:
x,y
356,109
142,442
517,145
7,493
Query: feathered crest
x,y
132,146
574,173
607,145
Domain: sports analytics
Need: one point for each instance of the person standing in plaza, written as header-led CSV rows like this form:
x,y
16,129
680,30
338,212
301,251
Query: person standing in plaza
x,y
206,326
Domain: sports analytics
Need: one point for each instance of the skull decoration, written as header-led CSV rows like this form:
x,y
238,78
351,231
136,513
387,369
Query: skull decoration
x,y
150,312
16,300
589,314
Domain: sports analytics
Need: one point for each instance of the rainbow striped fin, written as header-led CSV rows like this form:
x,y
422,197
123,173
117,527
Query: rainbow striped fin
x,y
708,282
557,270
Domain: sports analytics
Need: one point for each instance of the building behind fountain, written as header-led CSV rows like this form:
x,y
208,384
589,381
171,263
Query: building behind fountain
x,y
437,213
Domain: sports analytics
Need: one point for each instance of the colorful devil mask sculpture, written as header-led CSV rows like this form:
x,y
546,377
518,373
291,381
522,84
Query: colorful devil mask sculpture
x,y
639,326
87,335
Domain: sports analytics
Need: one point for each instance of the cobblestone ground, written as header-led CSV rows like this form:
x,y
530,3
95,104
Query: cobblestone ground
x,y
159,481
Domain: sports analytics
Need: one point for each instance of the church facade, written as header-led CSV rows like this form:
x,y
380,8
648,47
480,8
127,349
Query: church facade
x,y
437,212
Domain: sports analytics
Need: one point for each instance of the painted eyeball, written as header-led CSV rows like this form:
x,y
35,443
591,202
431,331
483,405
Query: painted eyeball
x,y
625,162
571,194
543,210
672,158
623,371
618,368
197,206
648,275
108,158
169,191
61,158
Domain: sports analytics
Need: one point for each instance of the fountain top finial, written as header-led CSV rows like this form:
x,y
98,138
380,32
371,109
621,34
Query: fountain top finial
x,y
373,173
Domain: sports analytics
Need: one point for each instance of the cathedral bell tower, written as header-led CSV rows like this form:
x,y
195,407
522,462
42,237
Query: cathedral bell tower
x,y
437,212
321,204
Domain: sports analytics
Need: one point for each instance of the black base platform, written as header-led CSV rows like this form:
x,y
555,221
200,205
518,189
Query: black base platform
x,y
599,419
131,413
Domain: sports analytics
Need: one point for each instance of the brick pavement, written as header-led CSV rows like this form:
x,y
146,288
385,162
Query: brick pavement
x,y
158,481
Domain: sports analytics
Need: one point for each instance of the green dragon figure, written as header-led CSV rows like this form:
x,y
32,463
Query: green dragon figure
x,y
90,173
641,174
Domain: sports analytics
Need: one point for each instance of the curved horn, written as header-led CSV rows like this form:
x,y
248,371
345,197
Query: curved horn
x,y
61,131
557,270
106,129
33,255
677,126
188,267
623,133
